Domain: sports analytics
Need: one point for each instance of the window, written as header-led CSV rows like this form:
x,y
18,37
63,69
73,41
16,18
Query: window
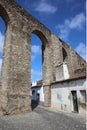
x,y
83,96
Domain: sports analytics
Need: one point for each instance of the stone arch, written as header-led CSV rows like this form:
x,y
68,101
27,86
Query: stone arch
x,y
43,39
40,35
2,38
65,63
65,54
4,15
46,65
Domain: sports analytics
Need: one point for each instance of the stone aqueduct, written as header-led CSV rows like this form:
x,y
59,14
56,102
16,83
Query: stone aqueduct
x,y
16,66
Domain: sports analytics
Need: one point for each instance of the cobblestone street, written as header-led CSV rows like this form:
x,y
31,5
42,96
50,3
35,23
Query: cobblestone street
x,y
43,119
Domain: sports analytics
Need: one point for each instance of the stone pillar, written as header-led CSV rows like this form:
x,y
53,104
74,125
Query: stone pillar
x,y
57,58
16,72
47,74
47,95
5,72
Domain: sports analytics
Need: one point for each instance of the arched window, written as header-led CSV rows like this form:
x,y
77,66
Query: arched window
x,y
2,37
36,58
4,19
65,57
38,48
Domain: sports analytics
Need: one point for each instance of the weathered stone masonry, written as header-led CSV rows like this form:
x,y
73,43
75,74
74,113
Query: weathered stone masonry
x,y
16,66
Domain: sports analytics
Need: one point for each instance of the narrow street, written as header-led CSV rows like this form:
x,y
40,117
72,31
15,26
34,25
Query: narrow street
x,y
43,119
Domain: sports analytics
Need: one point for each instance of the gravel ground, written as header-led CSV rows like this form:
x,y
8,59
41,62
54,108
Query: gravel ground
x,y
43,119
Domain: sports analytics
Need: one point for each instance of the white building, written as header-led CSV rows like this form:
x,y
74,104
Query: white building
x,y
69,94
37,89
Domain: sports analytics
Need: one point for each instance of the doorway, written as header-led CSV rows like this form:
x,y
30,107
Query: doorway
x,y
74,98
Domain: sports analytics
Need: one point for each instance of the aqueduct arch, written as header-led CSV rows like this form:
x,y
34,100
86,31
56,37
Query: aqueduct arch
x,y
46,63
4,14
16,73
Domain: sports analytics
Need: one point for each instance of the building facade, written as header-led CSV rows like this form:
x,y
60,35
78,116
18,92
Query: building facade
x,y
70,95
37,89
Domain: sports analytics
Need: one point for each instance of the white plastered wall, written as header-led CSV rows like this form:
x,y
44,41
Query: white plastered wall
x,y
61,96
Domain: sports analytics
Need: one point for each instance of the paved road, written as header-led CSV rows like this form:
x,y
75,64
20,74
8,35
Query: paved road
x,y
42,119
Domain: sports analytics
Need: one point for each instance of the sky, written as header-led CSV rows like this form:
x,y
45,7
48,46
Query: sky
x,y
65,18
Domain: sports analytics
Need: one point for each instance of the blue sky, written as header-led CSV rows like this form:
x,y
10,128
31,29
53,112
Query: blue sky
x,y
65,18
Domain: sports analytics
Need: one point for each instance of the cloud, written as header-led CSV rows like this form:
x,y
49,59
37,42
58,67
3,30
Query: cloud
x,y
45,7
36,75
36,50
81,49
1,42
63,31
76,22
35,72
